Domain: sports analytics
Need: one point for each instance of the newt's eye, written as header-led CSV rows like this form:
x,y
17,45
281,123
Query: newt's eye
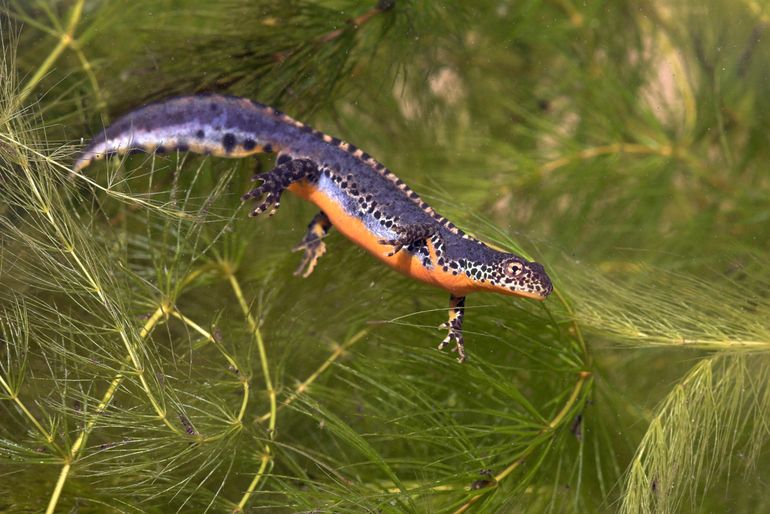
x,y
513,269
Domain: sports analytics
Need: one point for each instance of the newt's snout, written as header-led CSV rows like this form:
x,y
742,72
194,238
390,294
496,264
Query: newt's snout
x,y
542,284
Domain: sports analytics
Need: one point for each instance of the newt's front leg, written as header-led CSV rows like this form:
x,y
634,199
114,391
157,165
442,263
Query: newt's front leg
x,y
455,326
408,235
274,182
313,244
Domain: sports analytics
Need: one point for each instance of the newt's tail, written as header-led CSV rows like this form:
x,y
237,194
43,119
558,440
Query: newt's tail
x,y
207,124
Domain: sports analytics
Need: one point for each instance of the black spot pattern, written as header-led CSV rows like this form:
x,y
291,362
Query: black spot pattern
x,y
371,189
229,142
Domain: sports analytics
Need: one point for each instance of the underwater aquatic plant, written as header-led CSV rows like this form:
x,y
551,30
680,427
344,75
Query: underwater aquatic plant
x,y
156,354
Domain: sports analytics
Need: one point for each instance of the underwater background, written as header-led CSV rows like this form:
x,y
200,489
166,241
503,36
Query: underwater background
x,y
158,355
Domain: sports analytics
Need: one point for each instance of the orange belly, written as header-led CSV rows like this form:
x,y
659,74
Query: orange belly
x,y
355,230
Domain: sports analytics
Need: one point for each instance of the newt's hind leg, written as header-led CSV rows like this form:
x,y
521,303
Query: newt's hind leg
x,y
275,182
455,326
313,244
408,235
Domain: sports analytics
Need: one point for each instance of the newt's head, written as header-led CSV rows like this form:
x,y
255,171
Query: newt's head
x,y
523,278
507,273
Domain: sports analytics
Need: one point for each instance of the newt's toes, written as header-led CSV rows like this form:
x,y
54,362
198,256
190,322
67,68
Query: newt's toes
x,y
456,337
313,251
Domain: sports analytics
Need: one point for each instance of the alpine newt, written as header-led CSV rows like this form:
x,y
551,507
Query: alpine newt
x,y
355,193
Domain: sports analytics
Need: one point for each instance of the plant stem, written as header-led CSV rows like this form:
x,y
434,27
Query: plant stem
x,y
244,381
58,489
575,326
139,370
88,69
336,354
550,427
105,401
266,458
615,148
254,327
15,397
357,22
65,40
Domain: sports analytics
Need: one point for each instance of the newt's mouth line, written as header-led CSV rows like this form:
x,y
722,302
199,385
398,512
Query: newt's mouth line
x,y
525,294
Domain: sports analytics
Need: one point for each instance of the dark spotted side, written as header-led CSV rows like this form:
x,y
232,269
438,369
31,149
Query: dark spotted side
x,y
356,194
